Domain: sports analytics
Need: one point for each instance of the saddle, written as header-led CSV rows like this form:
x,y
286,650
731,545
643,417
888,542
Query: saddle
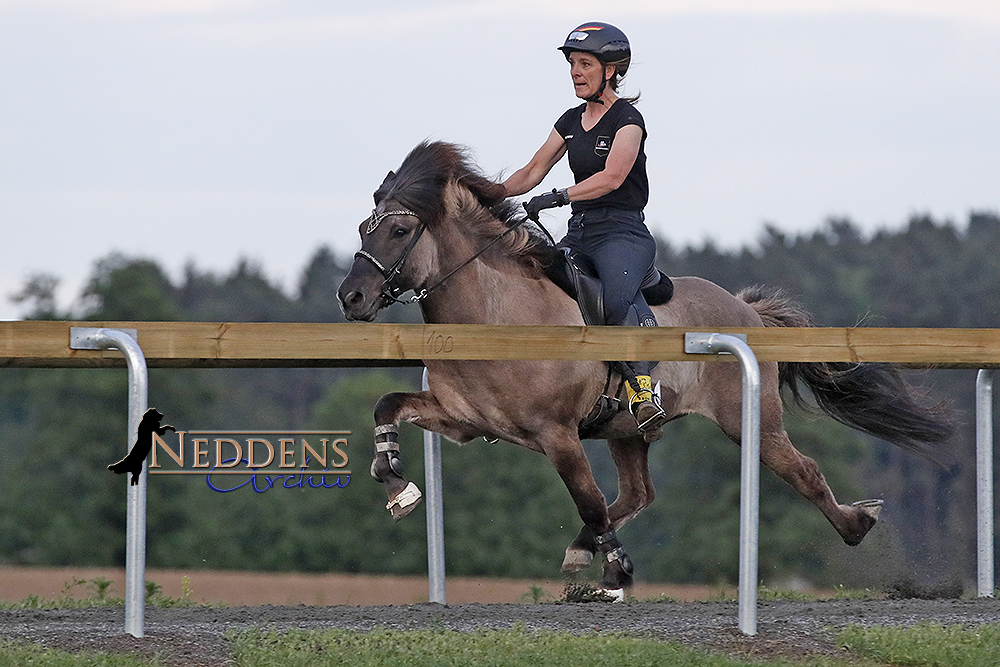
x,y
575,275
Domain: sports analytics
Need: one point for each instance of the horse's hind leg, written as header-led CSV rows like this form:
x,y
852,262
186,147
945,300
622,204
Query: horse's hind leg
x,y
777,453
635,492
852,521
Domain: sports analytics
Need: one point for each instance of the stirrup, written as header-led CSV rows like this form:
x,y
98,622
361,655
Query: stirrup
x,y
654,418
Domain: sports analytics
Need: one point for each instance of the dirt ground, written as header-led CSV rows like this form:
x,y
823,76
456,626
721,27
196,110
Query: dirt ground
x,y
257,588
195,635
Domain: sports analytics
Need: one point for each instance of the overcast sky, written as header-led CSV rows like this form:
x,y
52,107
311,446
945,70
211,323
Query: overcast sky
x,y
208,130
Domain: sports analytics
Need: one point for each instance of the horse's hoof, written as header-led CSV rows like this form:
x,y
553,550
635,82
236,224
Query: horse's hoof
x,y
865,519
577,559
404,502
872,507
618,572
613,594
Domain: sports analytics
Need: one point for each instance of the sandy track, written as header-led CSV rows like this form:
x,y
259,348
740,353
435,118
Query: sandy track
x,y
194,636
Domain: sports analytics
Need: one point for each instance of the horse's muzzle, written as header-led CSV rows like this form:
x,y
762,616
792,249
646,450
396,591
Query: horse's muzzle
x,y
360,293
357,307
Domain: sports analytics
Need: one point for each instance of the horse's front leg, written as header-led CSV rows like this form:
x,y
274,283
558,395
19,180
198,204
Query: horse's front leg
x,y
423,409
635,492
573,467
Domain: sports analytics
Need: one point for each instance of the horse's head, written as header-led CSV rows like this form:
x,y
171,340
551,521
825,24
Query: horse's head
x,y
436,209
391,261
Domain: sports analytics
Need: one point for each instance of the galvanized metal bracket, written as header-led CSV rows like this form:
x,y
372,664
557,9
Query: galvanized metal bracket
x,y
126,342
87,338
736,344
707,343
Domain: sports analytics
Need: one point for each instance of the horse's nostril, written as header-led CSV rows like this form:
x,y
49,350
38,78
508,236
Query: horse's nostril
x,y
354,298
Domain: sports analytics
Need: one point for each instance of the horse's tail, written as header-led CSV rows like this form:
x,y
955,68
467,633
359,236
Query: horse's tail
x,y
870,397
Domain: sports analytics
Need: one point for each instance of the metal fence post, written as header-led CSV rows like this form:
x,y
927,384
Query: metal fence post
x,y
713,343
435,512
87,338
984,482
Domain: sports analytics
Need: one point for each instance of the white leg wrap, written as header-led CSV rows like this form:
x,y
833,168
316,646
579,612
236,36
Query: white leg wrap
x,y
616,594
409,496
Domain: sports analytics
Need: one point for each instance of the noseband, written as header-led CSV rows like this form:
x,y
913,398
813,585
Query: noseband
x,y
390,290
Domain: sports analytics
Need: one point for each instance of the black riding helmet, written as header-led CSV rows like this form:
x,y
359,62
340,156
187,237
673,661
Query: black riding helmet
x,y
606,42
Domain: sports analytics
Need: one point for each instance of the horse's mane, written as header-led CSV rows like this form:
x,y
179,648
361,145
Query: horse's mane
x,y
439,178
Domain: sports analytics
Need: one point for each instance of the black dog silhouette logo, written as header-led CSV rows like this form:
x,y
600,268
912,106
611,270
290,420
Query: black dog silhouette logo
x,y
132,462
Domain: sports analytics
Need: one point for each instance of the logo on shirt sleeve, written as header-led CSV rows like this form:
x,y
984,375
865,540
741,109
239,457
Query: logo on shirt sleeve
x,y
603,146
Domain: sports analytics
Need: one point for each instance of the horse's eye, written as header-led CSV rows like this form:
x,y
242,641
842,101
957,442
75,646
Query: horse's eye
x,y
400,232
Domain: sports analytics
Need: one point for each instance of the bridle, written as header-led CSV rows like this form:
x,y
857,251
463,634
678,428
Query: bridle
x,y
390,290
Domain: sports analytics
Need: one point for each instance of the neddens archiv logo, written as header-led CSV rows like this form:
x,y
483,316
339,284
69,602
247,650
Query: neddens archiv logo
x,y
260,460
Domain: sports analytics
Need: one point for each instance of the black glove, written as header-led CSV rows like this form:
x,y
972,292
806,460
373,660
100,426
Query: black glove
x,y
548,200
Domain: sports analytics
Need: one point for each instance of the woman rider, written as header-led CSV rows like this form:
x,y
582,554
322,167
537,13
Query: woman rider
x,y
605,138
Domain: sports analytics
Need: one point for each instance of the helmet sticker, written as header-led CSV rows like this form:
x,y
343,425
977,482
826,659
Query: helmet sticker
x,y
582,33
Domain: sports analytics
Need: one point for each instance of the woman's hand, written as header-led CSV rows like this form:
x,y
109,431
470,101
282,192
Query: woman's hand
x,y
549,200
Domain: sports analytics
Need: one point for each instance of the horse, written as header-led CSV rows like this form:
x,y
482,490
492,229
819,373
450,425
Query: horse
x,y
443,229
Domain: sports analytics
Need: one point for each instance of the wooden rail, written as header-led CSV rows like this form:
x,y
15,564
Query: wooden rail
x,y
274,344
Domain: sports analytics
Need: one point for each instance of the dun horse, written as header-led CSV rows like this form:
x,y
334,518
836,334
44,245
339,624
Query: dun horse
x,y
443,230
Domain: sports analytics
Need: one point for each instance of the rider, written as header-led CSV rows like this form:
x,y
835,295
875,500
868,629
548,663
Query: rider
x,y
605,138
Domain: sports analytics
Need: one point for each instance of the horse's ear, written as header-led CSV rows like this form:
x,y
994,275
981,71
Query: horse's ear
x,y
381,192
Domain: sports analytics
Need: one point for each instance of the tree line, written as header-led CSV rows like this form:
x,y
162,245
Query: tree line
x,y
506,511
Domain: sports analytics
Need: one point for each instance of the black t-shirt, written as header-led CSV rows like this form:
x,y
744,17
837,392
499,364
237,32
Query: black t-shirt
x,y
588,153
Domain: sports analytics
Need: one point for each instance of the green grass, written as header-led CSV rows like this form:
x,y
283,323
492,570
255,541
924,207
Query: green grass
x,y
841,593
444,648
98,594
920,646
927,645
20,655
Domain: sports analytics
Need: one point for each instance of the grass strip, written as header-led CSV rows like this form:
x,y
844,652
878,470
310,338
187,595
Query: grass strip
x,y
488,648
927,645
31,655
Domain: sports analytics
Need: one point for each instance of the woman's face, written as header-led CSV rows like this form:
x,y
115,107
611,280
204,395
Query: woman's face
x,y
587,72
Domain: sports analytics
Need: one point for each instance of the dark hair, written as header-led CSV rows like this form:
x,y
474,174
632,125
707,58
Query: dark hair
x,y
616,80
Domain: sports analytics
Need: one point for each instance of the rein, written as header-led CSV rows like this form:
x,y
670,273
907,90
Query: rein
x,y
391,291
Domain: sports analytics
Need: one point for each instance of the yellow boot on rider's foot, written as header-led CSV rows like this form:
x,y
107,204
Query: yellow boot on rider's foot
x,y
644,406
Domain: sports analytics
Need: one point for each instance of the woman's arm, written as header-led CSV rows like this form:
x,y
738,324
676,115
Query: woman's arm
x,y
531,174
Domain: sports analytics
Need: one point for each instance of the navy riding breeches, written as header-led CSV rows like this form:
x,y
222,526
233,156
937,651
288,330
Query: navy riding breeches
x,y
622,250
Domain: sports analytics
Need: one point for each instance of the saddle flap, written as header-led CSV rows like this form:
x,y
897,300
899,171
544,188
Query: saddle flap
x,y
589,291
